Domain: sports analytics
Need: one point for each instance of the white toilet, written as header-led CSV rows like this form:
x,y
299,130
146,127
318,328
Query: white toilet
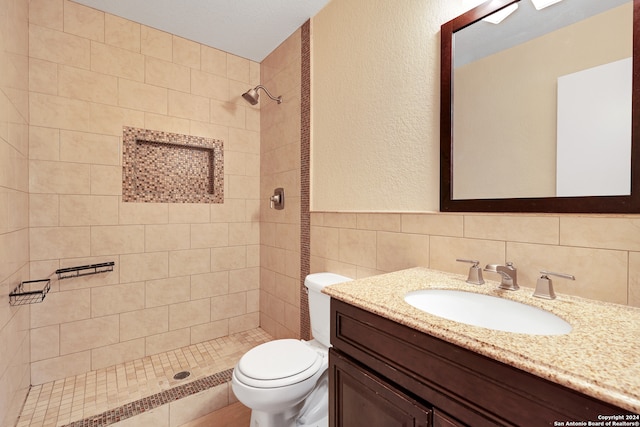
x,y
285,382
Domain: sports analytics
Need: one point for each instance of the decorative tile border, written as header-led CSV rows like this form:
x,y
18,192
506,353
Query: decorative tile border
x,y
148,403
305,156
167,167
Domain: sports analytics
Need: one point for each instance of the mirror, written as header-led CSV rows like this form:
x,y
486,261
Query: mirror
x,y
539,112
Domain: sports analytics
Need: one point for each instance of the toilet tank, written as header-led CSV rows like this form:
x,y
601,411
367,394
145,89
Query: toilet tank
x,y
319,310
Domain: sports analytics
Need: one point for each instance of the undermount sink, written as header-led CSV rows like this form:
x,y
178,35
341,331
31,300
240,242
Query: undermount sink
x,y
487,311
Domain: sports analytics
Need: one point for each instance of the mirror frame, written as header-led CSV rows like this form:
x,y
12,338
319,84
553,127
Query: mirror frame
x,y
590,204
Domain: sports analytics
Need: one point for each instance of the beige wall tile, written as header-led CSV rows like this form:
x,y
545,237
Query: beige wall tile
x,y
108,120
43,210
45,342
121,33
245,279
186,52
231,210
600,232
396,251
227,114
245,322
43,76
63,242
209,331
226,306
114,354
213,60
188,106
68,365
46,13
121,239
59,177
88,210
606,280
191,261
44,143
59,47
83,21
167,291
634,279
379,222
166,237
358,247
325,242
141,323
58,112
158,417
117,62
167,74
243,140
93,148
445,250
144,213
155,344
527,229
106,180
209,284
287,289
434,224
141,96
87,85
138,267
191,313
156,43
248,233
238,69
243,187
87,334
106,300
209,235
209,85
189,213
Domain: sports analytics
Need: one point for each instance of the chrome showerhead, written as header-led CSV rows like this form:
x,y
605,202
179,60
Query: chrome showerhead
x,y
252,95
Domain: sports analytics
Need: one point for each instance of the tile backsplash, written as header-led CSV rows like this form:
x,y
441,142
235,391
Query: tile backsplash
x,y
603,252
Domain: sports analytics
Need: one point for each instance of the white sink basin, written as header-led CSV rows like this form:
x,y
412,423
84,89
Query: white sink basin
x,y
487,311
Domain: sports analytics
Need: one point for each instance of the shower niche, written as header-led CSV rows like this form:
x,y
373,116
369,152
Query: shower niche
x,y
164,167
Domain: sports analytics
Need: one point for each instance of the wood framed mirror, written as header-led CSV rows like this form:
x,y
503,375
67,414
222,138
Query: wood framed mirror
x,y
475,177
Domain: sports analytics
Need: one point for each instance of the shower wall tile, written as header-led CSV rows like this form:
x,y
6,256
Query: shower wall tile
x,y
142,323
122,33
155,43
167,74
118,62
87,334
89,75
83,21
114,354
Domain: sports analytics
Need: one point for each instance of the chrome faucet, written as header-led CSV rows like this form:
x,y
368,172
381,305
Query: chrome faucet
x,y
544,286
475,272
509,275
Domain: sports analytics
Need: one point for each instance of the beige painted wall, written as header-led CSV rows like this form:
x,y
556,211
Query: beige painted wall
x,y
14,206
375,109
184,273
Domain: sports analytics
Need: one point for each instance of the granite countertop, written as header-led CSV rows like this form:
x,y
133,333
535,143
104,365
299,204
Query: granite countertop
x,y
600,357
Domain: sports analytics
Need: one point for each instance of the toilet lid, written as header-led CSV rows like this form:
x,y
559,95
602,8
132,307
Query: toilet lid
x,y
278,359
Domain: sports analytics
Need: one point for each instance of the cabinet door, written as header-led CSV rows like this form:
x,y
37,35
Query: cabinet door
x,y
358,398
442,420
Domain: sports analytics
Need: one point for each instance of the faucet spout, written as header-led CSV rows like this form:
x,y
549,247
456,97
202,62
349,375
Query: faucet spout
x,y
508,273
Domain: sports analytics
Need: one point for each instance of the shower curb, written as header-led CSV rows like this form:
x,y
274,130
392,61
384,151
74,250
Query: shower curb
x,y
146,404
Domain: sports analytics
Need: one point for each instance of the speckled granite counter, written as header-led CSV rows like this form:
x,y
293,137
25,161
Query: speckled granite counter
x,y
600,357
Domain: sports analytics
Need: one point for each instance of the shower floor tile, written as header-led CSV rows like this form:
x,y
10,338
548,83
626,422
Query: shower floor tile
x,y
71,399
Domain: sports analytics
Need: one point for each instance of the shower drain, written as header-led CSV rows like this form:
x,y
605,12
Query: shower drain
x,y
181,375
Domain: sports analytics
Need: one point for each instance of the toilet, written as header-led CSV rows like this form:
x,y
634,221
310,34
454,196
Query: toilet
x,y
285,382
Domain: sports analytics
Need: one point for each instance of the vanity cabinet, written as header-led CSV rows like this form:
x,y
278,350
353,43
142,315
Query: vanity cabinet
x,y
382,373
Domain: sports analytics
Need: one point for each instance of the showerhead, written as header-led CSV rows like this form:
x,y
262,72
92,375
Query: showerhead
x,y
252,95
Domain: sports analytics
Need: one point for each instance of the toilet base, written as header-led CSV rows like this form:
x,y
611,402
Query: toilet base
x,y
281,419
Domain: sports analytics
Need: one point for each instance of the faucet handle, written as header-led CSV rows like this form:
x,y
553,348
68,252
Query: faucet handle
x,y
475,272
544,286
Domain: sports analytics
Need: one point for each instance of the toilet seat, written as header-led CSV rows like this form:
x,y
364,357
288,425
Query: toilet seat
x,y
278,363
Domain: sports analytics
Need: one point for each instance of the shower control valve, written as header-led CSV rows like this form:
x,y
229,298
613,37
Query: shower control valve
x,y
276,201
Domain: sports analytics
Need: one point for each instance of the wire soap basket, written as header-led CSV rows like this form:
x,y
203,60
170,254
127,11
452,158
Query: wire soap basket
x,y
30,292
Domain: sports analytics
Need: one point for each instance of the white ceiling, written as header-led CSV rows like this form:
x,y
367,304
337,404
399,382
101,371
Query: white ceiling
x,y
248,28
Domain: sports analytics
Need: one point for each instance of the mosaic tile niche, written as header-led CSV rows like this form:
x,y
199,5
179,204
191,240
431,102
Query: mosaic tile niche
x,y
164,167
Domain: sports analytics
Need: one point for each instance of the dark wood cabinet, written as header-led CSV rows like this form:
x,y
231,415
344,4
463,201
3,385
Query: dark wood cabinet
x,y
386,374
